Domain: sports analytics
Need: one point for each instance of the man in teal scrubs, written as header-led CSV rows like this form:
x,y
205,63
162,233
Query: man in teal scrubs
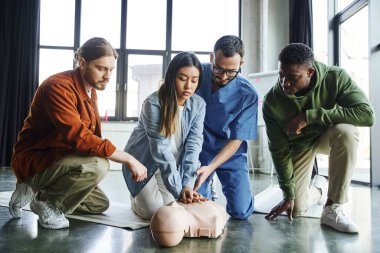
x,y
231,119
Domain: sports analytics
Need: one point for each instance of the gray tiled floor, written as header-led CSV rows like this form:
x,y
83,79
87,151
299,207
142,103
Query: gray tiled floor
x,y
253,235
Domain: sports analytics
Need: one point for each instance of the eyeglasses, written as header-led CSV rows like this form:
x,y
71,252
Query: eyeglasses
x,y
229,72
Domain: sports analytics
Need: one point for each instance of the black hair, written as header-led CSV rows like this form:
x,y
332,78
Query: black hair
x,y
297,54
230,45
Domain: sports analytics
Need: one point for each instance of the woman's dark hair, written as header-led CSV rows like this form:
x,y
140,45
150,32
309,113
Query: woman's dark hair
x,y
93,49
167,94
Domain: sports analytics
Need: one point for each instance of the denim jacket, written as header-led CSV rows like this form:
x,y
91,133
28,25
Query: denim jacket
x,y
153,150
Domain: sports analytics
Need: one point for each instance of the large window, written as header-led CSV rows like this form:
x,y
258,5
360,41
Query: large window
x,y
146,26
353,54
100,18
349,49
203,22
146,34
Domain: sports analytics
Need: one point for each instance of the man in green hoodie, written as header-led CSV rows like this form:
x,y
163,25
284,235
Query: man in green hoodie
x,y
314,108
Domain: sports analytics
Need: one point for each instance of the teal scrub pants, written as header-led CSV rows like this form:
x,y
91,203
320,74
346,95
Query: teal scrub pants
x,y
236,187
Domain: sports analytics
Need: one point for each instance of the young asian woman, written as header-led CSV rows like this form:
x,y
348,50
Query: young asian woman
x,y
168,139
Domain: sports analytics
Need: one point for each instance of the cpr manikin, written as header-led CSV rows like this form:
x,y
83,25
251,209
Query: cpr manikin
x,y
177,220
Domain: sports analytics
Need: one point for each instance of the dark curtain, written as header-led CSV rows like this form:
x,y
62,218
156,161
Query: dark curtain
x,y
301,31
19,68
301,22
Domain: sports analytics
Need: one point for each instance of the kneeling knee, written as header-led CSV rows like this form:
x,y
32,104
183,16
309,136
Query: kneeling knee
x,y
239,213
99,168
103,206
348,134
300,207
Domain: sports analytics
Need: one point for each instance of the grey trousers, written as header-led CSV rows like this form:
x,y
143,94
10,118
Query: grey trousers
x,y
71,184
340,143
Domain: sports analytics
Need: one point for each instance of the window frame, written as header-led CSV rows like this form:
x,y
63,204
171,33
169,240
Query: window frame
x,y
122,62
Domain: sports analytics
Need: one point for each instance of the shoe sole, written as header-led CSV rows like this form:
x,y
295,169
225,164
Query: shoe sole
x,y
33,208
326,222
49,226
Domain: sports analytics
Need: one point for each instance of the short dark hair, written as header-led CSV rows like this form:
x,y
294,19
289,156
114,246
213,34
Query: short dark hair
x,y
297,54
95,48
230,45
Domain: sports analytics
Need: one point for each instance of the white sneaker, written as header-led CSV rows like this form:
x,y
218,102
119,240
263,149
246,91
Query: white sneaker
x,y
20,198
49,215
321,183
334,217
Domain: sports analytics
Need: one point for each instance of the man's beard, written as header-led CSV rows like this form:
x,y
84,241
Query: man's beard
x,y
99,85
218,83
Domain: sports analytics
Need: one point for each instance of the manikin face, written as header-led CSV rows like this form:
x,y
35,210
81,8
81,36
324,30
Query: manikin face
x,y
97,73
186,82
225,68
169,224
294,78
198,219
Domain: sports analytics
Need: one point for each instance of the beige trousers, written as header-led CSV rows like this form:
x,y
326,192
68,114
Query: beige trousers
x,y
340,143
153,196
71,184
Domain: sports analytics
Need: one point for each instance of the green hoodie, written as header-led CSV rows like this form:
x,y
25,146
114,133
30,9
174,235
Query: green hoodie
x,y
333,98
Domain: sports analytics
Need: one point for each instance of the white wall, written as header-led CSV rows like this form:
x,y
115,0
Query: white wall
x,y
265,31
118,133
251,35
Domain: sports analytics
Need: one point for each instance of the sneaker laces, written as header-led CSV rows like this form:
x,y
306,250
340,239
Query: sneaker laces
x,y
340,214
53,209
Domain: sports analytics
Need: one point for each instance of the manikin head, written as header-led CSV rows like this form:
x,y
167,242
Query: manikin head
x,y
169,224
177,220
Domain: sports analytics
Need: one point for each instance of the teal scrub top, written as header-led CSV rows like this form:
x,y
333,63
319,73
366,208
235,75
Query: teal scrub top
x,y
231,113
